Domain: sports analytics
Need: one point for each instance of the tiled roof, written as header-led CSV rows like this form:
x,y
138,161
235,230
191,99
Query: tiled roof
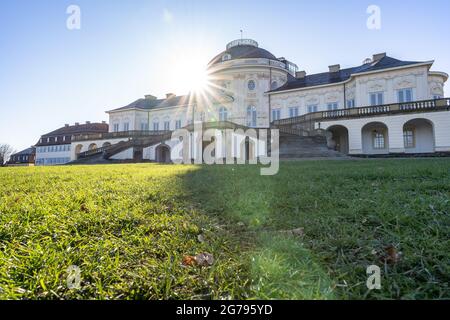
x,y
343,75
25,152
148,104
78,129
177,101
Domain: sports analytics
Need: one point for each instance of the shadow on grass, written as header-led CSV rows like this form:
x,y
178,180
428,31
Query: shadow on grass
x,y
350,211
279,266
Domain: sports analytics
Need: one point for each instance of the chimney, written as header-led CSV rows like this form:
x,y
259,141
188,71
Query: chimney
x,y
88,122
103,122
300,74
335,68
77,124
170,95
379,56
66,125
150,97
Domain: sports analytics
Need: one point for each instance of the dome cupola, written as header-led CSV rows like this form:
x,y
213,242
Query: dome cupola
x,y
242,49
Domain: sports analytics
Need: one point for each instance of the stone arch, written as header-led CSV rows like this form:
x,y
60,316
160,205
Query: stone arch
x,y
375,138
162,154
78,149
338,138
92,146
418,136
106,144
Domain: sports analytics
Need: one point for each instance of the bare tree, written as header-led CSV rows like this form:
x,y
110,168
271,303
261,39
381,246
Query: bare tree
x,y
5,151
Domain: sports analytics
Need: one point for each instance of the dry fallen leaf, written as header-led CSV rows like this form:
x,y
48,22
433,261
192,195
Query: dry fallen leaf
x,y
189,261
391,255
84,208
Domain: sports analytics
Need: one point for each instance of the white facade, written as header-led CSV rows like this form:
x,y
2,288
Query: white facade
x,y
425,85
430,133
53,155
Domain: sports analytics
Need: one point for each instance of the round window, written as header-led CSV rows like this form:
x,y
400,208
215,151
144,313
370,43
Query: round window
x,y
274,85
251,85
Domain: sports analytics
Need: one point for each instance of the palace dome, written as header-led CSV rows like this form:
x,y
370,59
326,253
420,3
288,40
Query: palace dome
x,y
242,49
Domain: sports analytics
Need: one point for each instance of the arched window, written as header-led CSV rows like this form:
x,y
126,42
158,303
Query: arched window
x,y
156,124
251,85
167,124
223,114
251,116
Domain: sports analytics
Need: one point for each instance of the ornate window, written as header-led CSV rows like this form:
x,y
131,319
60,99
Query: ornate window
x,y
156,124
376,98
312,108
251,116
408,137
223,114
350,103
144,126
178,124
333,106
167,125
378,140
405,95
293,112
251,85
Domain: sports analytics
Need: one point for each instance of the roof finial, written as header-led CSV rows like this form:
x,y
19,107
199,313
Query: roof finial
x,y
242,34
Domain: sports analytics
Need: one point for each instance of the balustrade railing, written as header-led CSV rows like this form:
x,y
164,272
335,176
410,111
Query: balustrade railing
x,y
117,135
415,106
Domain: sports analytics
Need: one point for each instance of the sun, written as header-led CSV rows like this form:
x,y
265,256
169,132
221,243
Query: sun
x,y
199,80
187,73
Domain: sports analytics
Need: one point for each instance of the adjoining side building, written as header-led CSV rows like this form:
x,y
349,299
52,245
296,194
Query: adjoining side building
x,y
24,158
55,148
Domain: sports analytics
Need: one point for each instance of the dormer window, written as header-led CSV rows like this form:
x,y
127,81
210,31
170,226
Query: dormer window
x,y
226,57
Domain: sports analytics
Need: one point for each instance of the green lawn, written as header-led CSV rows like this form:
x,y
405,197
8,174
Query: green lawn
x,y
128,228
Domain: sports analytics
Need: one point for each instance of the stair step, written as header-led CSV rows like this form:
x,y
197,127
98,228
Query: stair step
x,y
300,147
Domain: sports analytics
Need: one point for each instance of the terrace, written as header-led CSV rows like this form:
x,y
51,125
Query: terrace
x,y
387,109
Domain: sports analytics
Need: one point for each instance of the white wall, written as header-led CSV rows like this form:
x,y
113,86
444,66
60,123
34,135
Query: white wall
x,y
85,145
395,125
44,158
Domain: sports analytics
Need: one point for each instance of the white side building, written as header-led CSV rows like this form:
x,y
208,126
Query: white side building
x,y
55,148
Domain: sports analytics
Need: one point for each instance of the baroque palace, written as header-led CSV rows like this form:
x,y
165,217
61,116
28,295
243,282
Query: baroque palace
x,y
381,107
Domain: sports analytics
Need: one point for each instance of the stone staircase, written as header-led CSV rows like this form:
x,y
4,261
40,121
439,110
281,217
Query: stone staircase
x,y
103,155
300,141
296,142
301,147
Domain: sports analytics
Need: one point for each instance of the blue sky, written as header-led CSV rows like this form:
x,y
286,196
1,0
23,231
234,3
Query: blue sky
x,y
50,75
